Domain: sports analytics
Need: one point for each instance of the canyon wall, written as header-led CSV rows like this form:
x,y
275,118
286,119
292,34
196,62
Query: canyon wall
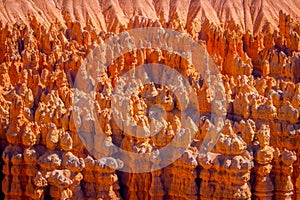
x,y
255,156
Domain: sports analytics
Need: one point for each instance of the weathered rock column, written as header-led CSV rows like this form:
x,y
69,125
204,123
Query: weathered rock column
x,y
263,186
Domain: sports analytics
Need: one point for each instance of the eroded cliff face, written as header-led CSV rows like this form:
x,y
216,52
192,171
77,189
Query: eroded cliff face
x,y
255,155
114,15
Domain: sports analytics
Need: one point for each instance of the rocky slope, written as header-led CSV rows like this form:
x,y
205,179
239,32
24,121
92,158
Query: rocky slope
x,y
111,15
255,45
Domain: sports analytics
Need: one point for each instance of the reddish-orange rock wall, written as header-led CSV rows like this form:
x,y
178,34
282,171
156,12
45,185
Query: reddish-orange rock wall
x,y
255,156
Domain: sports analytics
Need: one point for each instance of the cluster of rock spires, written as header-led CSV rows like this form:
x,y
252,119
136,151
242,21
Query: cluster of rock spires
x,y
254,157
